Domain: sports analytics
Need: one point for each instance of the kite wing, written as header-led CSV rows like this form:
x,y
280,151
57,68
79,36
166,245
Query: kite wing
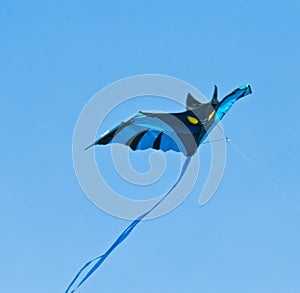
x,y
160,131
227,102
141,132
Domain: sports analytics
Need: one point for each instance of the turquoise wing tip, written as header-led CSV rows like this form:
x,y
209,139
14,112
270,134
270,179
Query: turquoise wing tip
x,y
247,88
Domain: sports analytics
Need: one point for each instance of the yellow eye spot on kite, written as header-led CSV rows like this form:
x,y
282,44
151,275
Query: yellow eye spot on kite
x,y
211,115
192,120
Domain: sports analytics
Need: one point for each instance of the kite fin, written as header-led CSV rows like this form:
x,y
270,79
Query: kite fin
x,y
214,99
191,102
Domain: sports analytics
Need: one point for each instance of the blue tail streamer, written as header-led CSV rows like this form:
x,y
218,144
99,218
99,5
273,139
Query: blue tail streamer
x,y
100,259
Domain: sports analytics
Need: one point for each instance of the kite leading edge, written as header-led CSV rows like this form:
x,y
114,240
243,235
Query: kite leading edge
x,y
181,132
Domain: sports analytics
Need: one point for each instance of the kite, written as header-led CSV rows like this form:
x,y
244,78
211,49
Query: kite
x,y
180,132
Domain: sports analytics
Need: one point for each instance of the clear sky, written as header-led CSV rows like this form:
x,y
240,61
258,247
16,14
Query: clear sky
x,y
55,55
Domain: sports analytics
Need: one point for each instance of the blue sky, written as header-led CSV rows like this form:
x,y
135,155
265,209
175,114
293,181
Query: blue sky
x,y
55,56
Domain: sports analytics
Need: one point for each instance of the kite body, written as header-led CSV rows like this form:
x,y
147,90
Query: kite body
x,y
181,132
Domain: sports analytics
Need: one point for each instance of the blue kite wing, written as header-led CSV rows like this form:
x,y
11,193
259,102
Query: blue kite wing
x,y
143,132
227,102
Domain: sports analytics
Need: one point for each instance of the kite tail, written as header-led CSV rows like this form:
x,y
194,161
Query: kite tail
x,y
100,259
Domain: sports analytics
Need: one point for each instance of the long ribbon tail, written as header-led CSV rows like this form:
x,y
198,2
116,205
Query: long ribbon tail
x,y
100,259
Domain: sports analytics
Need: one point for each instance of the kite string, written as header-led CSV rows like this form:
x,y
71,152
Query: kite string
x,y
123,236
259,170
226,139
264,174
